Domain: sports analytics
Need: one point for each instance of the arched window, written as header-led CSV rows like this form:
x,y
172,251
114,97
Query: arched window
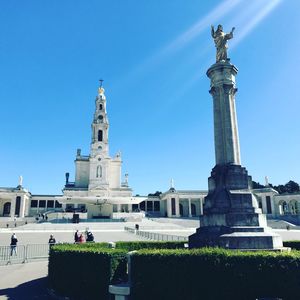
x,y
100,135
6,209
99,172
100,106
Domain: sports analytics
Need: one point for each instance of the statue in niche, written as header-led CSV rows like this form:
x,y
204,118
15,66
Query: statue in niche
x,y
99,172
220,39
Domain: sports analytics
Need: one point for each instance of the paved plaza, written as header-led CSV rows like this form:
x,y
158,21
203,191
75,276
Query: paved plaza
x,y
103,231
29,280
109,231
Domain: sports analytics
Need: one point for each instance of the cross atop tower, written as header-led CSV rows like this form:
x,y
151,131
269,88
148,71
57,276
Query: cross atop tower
x,y
101,81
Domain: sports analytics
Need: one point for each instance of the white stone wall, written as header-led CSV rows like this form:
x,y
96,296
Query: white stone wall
x,y
82,173
115,174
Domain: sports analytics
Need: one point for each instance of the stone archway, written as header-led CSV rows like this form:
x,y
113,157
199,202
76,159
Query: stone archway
x,y
6,209
294,207
283,207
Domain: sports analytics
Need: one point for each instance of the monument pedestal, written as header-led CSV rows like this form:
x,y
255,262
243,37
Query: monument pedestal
x,y
231,217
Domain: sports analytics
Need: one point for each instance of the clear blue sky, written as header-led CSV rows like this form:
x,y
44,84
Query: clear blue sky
x,y
153,56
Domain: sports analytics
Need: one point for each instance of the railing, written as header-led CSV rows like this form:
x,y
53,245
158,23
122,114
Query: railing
x,y
70,220
156,236
23,253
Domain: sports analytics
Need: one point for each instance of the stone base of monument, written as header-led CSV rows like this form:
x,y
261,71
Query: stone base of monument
x,y
242,238
232,218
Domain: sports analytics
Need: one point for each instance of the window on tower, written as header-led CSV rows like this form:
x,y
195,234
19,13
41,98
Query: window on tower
x,y
100,135
100,106
100,118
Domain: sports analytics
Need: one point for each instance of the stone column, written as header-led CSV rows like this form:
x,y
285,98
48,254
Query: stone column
x,y
264,204
190,208
118,207
177,210
273,206
129,207
201,206
227,149
169,207
22,206
13,206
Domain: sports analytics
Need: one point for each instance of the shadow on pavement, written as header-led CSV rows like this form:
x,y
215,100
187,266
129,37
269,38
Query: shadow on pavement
x,y
34,289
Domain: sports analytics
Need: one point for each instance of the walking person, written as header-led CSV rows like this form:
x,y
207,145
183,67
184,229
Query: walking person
x,y
13,244
52,240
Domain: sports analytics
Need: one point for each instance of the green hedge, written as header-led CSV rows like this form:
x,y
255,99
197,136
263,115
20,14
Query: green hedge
x,y
212,274
85,271
295,245
137,245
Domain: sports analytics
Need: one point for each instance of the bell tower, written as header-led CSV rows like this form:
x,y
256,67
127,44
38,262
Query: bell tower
x,y
99,155
100,125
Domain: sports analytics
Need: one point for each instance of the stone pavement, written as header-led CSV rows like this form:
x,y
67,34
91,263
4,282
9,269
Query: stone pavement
x,y
103,232
24,281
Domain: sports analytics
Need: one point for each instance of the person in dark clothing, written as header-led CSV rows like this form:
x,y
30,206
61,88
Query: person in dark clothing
x,y
90,237
52,240
13,244
76,237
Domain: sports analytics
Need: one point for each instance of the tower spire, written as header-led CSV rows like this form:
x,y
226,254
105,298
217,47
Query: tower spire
x,y
100,124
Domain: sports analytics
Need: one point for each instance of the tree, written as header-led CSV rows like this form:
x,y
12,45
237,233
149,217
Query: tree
x,y
290,187
157,194
257,185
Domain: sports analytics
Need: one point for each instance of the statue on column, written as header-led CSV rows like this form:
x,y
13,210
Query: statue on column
x,y
20,180
220,39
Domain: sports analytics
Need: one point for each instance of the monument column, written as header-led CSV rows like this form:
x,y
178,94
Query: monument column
x,y
227,149
231,217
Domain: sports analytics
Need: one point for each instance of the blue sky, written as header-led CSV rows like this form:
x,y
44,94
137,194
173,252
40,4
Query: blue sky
x,y
153,56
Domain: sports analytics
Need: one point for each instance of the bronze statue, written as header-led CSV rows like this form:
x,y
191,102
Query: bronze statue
x,y
220,39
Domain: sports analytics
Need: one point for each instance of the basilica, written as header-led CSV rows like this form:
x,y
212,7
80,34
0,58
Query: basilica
x,y
99,192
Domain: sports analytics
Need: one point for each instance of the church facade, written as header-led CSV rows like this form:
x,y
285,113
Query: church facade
x,y
99,192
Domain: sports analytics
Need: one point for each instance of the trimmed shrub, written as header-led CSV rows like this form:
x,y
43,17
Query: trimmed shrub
x,y
85,271
295,245
137,245
212,273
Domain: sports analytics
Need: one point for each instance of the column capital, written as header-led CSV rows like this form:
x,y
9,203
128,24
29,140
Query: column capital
x,y
214,91
229,89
